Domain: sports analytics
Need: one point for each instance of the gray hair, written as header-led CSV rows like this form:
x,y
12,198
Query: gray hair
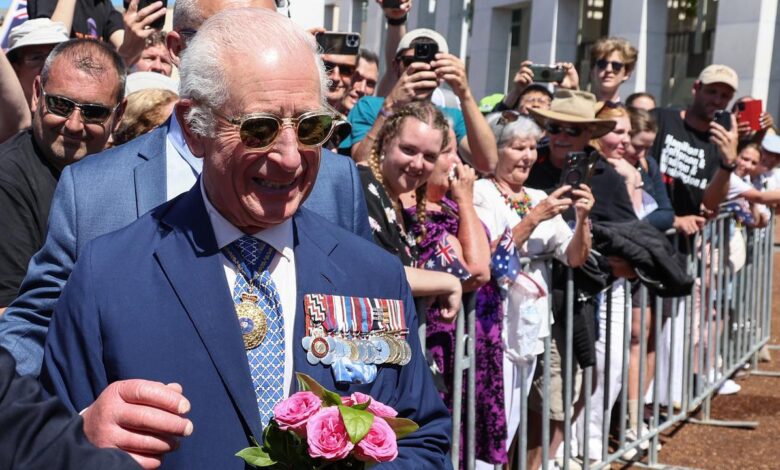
x,y
507,132
242,32
187,15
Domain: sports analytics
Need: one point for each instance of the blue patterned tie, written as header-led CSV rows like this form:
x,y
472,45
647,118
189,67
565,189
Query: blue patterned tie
x,y
266,362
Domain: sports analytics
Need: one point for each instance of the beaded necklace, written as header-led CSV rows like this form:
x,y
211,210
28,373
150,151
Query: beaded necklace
x,y
520,205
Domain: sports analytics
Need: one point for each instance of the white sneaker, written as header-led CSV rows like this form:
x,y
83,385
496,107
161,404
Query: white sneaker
x,y
557,464
729,387
631,437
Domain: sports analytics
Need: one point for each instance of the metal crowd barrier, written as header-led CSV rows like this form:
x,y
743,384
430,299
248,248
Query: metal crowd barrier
x,y
700,341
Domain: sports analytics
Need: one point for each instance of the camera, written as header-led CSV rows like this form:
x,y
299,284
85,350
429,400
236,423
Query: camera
x,y
547,73
425,52
353,41
577,168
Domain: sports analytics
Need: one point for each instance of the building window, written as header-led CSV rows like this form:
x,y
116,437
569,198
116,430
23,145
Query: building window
x,y
594,24
690,36
518,42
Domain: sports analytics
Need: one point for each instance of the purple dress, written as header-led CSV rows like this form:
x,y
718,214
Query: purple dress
x,y
440,338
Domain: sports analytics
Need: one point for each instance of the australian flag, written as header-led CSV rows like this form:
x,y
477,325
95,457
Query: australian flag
x,y
17,14
445,260
741,213
505,264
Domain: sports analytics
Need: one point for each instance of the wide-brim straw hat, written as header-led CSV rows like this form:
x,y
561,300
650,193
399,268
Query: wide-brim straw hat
x,y
574,107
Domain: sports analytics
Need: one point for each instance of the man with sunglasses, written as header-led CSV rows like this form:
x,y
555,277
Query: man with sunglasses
x,y
77,102
570,124
611,62
208,290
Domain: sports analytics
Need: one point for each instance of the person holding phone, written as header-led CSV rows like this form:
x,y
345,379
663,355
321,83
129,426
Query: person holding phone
x,y
692,135
528,91
534,219
753,123
422,63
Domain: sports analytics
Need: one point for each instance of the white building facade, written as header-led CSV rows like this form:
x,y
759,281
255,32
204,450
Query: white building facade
x,y
676,38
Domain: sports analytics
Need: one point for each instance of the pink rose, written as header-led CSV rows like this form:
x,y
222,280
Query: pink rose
x,y
327,436
376,407
379,445
293,413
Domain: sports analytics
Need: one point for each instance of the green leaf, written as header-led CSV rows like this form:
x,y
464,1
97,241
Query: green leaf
x,y
357,422
401,426
361,406
256,456
306,383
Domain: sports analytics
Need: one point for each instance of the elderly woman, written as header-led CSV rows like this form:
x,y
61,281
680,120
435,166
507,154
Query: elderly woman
x,y
533,219
405,152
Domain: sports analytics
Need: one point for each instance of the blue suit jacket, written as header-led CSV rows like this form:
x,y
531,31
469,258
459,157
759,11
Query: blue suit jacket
x,y
151,301
108,191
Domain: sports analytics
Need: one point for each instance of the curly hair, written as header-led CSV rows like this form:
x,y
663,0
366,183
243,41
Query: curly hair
x,y
423,111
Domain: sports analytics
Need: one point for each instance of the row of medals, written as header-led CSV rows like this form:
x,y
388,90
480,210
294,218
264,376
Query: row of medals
x,y
376,348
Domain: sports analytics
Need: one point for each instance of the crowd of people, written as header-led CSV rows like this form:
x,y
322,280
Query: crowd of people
x,y
400,186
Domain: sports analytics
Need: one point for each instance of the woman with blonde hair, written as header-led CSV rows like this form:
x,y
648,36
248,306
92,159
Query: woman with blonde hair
x,y
405,152
146,109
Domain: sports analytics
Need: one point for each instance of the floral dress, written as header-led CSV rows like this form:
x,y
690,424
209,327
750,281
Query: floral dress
x,y
440,339
382,219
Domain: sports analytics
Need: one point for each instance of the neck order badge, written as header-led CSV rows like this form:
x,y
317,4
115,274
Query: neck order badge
x,y
251,318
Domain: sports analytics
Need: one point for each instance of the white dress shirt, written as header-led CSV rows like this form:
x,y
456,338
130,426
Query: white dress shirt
x,y
181,166
282,269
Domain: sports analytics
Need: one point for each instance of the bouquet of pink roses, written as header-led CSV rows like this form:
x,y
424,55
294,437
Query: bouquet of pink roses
x,y
318,429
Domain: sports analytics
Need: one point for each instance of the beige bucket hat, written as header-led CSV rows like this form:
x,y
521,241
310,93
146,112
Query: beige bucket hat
x,y
574,107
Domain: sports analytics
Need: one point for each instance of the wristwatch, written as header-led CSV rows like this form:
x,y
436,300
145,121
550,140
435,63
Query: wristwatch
x,y
726,167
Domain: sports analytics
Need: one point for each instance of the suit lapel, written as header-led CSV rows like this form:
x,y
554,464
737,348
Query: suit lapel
x,y
150,176
315,274
190,259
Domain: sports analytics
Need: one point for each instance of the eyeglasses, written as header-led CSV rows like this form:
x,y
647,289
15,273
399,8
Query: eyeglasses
x,y
616,65
260,130
541,100
90,113
346,70
556,129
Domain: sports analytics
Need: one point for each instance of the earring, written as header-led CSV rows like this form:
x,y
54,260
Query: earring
x,y
382,157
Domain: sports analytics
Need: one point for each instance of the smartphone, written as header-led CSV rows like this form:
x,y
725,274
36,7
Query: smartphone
x,y
547,73
159,23
723,118
453,173
425,52
338,43
391,4
750,112
576,169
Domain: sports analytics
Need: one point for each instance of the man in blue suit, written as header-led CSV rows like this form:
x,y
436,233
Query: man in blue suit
x,y
208,290
112,189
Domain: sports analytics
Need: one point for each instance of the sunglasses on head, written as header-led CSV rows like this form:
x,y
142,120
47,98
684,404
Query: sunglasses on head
x,y
507,116
63,107
616,65
260,130
343,69
555,129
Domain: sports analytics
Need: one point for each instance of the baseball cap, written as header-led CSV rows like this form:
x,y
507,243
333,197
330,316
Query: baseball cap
x,y
771,143
717,73
39,31
489,102
406,40
537,87
138,81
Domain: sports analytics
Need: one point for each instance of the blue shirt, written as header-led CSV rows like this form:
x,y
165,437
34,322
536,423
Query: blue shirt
x,y
366,110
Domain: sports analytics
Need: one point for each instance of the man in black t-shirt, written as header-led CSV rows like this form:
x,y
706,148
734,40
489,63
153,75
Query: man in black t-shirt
x,y
77,101
696,155
570,125
91,19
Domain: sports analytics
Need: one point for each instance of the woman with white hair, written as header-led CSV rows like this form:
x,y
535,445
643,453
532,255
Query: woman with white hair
x,y
533,220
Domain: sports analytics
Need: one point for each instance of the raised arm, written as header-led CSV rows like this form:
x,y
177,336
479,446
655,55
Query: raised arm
x,y
394,34
14,110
